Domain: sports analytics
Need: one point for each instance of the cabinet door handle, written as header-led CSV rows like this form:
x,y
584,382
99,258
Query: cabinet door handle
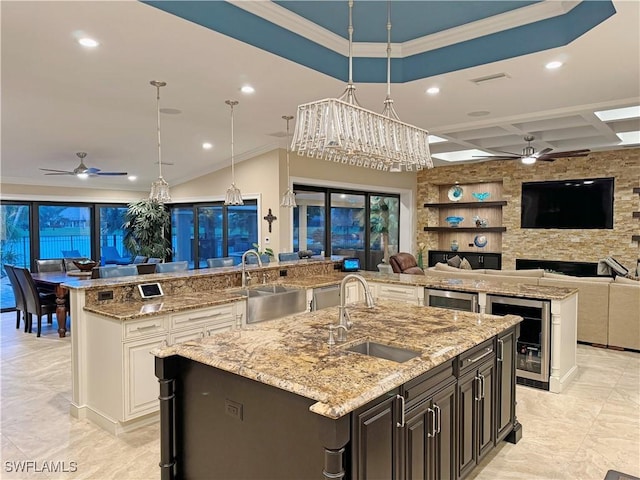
x,y
401,423
476,395
148,327
481,377
477,359
432,433
438,415
500,350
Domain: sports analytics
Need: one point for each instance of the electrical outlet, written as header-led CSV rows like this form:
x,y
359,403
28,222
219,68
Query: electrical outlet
x,y
283,273
267,240
105,295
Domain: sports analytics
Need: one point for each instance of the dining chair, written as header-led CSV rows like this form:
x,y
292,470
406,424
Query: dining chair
x,y
172,267
36,303
49,265
17,295
220,262
117,271
288,256
139,259
154,260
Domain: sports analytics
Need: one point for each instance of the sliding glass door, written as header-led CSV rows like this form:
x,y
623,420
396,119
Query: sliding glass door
x,y
15,245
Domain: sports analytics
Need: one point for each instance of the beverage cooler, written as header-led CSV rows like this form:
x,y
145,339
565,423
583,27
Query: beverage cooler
x,y
533,347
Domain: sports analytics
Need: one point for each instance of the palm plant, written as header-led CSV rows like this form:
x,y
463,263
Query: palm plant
x,y
147,226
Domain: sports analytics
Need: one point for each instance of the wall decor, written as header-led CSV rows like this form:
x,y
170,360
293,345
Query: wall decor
x,y
481,196
270,217
455,193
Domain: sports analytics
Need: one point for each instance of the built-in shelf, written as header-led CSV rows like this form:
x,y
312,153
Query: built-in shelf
x,y
493,204
465,229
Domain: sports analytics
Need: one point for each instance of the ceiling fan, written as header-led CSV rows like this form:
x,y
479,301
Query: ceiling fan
x,y
530,156
82,170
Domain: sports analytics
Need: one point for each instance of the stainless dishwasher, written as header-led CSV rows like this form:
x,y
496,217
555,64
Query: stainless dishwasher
x,y
324,297
467,302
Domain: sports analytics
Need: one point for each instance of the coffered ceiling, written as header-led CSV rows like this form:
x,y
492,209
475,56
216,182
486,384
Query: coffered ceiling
x,y
487,58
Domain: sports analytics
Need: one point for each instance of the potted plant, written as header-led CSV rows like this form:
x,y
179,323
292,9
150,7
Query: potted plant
x,y
265,256
147,225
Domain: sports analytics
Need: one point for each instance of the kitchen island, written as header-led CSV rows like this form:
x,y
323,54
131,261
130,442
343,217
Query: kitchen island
x,y
274,400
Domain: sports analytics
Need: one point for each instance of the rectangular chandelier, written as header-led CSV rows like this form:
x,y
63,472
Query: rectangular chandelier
x,y
336,130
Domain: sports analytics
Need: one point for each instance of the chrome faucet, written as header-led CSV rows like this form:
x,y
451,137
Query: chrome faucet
x,y
246,274
345,323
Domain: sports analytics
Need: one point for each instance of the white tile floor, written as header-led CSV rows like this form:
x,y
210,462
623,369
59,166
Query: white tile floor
x,y
578,435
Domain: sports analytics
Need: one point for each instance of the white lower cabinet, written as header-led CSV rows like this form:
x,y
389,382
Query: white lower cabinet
x,y
121,385
393,291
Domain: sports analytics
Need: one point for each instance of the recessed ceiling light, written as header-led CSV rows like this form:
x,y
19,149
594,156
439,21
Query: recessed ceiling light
x,y
478,113
436,139
433,90
88,42
460,155
247,89
618,113
132,178
629,138
207,146
553,65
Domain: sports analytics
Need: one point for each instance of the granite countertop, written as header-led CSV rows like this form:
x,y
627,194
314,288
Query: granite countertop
x,y
292,353
172,304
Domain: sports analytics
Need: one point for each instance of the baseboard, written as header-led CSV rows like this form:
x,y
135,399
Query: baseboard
x,y
114,427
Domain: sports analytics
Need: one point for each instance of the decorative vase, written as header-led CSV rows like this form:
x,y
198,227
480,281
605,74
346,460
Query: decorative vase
x,y
454,245
419,260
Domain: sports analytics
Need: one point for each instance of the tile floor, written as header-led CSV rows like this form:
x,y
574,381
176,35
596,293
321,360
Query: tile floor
x,y
578,435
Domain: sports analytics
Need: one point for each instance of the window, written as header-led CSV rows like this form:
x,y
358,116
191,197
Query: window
x,y
64,231
111,219
15,245
223,231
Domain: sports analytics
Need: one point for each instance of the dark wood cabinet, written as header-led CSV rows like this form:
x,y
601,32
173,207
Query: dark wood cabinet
x,y
376,439
476,406
476,259
505,383
430,439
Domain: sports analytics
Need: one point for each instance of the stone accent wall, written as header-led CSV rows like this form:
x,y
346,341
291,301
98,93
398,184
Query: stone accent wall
x,y
547,244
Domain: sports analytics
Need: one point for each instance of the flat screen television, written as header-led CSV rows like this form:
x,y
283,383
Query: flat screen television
x,y
585,203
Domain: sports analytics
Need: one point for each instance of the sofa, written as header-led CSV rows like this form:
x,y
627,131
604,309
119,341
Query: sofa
x,y
608,309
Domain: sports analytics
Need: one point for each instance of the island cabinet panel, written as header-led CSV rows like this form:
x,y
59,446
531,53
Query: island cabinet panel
x,y
376,439
476,418
430,439
505,384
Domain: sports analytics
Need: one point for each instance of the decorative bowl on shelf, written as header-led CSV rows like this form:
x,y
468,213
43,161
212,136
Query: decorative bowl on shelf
x,y
481,196
480,241
455,193
454,221
85,265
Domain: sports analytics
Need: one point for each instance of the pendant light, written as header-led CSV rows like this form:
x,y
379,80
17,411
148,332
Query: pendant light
x,y
160,188
233,196
288,198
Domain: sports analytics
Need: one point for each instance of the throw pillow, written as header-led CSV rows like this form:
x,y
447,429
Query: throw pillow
x,y
465,265
454,261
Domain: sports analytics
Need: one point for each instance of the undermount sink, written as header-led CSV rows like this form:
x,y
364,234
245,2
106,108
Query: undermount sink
x,y
388,352
268,302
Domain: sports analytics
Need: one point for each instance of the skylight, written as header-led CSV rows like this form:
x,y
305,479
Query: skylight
x,y
460,155
629,138
618,113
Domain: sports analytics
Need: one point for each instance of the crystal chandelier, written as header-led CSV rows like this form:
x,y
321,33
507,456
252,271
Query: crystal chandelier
x,y
160,188
288,198
340,130
233,196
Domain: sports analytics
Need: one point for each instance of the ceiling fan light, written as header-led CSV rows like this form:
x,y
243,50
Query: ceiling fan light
x,y
528,160
83,175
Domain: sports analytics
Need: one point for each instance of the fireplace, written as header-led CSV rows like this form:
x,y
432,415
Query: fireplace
x,y
576,269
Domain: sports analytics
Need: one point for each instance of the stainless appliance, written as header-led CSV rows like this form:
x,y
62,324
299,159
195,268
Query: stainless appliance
x,y
533,349
324,297
465,301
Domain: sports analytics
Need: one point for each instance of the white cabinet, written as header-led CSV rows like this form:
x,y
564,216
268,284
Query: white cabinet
x,y
393,291
120,386
353,292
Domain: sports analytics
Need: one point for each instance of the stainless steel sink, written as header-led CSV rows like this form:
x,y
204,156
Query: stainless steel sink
x,y
268,302
388,352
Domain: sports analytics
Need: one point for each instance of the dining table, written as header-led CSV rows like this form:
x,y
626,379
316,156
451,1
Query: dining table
x,y
54,281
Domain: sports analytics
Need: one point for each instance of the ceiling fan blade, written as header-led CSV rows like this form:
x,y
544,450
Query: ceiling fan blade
x,y
567,154
91,170
543,152
65,172
60,173
113,174
498,157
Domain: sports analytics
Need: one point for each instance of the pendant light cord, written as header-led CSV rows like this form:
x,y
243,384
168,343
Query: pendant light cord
x,y
159,147
388,49
231,104
287,118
